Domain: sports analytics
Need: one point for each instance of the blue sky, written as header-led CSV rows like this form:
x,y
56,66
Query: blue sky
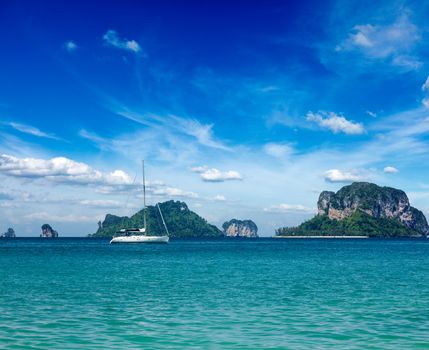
x,y
243,110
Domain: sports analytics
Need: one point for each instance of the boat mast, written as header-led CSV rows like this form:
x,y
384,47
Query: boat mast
x,y
162,218
144,197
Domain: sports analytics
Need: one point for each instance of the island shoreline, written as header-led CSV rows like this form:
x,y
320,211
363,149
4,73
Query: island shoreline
x,y
317,237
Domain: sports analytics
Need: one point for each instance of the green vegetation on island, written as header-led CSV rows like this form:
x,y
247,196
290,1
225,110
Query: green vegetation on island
x,y
357,224
363,209
180,221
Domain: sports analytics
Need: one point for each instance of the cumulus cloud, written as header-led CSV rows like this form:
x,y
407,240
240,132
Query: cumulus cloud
x,y
288,208
336,175
394,42
278,150
390,170
70,46
215,175
335,122
111,38
62,170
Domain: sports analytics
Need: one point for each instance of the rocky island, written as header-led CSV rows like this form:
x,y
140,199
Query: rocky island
x,y
48,232
240,228
363,209
180,220
10,233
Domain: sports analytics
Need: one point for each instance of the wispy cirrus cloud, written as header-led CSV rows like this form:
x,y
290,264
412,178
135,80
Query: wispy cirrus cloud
x,y
393,43
278,150
30,130
335,122
202,133
112,39
425,89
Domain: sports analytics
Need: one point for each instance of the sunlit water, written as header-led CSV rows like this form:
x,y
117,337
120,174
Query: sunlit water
x,y
227,294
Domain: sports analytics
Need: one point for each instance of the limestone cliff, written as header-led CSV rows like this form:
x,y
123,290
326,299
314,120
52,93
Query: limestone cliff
x,y
378,202
363,209
48,232
240,228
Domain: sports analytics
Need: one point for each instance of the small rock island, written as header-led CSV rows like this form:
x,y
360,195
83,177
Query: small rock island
x,y
363,209
240,228
48,232
10,233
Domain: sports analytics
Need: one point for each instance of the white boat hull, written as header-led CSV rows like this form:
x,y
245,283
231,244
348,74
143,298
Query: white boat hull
x,y
140,239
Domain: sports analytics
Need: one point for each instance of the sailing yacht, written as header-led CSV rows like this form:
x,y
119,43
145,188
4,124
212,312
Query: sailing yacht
x,y
139,235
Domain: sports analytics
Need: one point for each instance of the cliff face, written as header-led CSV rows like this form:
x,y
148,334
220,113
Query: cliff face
x,y
48,232
378,202
240,228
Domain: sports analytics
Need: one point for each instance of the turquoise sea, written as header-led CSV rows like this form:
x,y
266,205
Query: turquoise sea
x,y
214,294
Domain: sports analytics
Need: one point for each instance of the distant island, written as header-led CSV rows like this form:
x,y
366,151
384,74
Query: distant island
x,y
240,228
362,209
10,233
180,220
48,232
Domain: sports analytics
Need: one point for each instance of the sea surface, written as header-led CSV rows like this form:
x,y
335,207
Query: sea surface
x,y
214,294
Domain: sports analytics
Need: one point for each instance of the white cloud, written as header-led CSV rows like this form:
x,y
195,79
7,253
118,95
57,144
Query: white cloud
x,y
278,150
70,46
288,208
31,130
199,169
336,123
111,38
394,42
371,114
336,175
390,170
60,218
203,133
61,169
101,203
174,192
215,175
425,88
219,198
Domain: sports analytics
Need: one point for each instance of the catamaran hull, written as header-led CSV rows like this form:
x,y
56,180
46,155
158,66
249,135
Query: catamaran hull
x,y
140,239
